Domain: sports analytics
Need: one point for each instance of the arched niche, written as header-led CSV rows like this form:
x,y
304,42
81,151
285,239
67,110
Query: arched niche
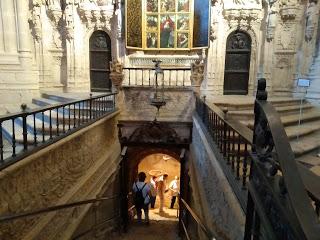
x,y
237,63
100,57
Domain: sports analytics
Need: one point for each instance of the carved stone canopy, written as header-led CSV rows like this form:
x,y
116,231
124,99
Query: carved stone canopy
x,y
155,132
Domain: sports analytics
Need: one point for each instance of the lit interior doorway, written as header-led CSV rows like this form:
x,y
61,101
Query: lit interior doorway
x,y
156,165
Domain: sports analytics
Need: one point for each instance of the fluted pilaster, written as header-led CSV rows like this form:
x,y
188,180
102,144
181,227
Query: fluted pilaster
x,y
9,24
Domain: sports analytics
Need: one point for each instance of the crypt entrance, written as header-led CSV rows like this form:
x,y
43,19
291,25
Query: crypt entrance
x,y
237,64
147,146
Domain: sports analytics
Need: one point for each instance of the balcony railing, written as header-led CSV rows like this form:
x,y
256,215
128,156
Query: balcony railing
x,y
173,77
24,133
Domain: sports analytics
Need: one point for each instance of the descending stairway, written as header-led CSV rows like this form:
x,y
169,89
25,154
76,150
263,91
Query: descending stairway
x,y
304,138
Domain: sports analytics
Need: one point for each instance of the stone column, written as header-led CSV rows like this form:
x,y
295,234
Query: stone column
x,y
23,27
8,19
313,92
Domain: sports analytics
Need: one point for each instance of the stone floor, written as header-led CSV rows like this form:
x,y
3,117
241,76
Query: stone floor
x,y
162,226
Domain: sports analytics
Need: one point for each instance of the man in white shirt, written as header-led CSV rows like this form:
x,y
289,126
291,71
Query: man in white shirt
x,y
174,188
142,197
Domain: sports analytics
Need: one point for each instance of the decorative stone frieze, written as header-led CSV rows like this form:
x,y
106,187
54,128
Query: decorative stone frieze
x,y
143,60
96,15
243,18
288,9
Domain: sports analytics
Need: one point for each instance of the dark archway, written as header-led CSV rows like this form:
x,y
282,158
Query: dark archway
x,y
100,56
237,64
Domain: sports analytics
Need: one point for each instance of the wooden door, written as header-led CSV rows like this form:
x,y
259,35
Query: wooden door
x,y
237,64
100,56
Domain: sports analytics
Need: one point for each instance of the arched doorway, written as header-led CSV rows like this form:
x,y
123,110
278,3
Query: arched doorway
x,y
237,64
100,56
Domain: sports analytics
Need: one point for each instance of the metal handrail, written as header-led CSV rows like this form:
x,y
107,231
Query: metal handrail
x,y
31,130
51,107
309,178
205,229
53,208
287,165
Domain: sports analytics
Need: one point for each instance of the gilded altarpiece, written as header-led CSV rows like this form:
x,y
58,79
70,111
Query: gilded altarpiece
x,y
166,24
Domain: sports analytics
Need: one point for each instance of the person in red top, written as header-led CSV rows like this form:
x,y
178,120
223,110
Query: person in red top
x,y
166,28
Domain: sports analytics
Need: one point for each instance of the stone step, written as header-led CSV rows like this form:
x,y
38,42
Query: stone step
x,y
292,119
302,130
282,110
310,160
247,104
306,144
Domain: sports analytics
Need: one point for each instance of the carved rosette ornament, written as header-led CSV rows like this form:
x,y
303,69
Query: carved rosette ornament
x,y
197,75
116,75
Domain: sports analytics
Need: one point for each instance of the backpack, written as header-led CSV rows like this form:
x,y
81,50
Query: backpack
x,y
138,197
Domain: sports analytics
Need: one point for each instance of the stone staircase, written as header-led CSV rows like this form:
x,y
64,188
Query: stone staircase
x,y
304,138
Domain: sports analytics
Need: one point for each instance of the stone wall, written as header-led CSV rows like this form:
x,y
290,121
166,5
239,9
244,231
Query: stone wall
x,y
135,104
73,169
216,202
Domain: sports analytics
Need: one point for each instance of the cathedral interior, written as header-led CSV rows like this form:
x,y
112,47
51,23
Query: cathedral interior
x,y
219,98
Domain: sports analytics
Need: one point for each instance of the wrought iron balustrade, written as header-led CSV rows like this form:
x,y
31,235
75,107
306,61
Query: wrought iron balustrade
x,y
278,205
233,142
23,133
144,76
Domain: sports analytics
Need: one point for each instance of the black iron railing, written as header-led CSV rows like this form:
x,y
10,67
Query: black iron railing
x,y
233,141
23,133
144,76
185,211
278,206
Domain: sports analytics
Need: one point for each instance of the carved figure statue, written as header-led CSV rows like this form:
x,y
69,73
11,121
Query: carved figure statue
x,y
197,73
272,22
311,20
116,67
116,75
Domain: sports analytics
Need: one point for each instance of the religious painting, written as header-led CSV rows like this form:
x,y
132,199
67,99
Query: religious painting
x,y
183,22
167,24
167,33
152,22
152,40
182,40
152,5
183,5
167,6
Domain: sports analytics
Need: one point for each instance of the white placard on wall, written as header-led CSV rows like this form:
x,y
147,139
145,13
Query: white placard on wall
x,y
302,82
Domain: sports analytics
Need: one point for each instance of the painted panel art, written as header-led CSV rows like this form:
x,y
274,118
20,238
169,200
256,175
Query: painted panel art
x,y
167,24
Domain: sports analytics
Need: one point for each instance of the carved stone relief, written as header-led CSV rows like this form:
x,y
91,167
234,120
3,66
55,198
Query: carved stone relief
x,y
272,22
288,9
95,16
312,15
34,20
